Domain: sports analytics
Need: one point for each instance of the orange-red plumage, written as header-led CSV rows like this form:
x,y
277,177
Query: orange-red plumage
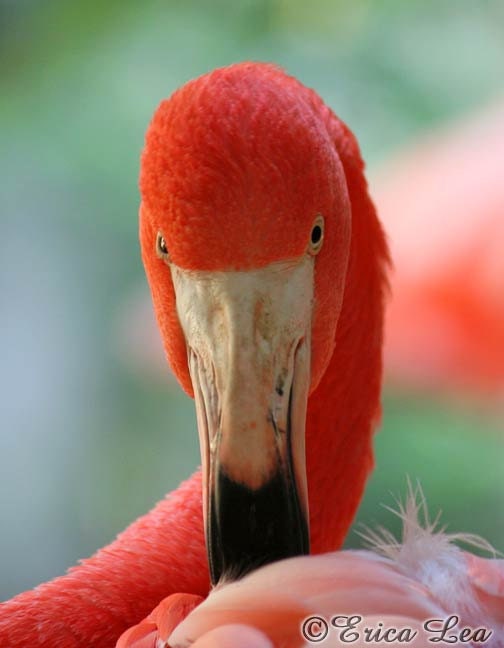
x,y
95,601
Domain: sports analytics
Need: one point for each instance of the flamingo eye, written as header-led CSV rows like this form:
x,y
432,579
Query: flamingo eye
x,y
317,235
161,247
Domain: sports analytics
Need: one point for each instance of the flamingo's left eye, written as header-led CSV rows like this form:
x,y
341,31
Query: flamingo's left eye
x,y
317,235
161,247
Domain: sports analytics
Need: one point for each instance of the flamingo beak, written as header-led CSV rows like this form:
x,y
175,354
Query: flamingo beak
x,y
248,341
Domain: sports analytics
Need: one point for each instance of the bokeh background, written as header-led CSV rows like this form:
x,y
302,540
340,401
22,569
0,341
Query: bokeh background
x,y
93,429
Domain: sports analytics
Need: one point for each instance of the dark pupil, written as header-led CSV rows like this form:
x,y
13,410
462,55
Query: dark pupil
x,y
316,234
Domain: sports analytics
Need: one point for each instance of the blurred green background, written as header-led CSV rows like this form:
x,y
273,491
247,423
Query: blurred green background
x,y
93,431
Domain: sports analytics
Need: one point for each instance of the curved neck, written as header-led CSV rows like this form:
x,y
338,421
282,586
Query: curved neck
x,y
345,408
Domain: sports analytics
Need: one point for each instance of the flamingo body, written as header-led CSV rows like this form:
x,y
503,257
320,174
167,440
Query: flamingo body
x,y
397,586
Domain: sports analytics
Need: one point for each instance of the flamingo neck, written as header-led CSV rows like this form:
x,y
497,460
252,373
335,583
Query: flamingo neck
x,y
344,410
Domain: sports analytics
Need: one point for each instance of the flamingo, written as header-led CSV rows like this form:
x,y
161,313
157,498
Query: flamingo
x,y
256,229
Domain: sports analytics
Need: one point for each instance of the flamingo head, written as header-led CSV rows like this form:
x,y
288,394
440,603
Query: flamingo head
x,y
245,235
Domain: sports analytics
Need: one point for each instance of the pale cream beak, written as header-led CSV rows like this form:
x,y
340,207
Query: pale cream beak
x,y
248,343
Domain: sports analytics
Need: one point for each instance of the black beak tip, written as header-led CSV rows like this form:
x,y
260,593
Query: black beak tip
x,y
249,528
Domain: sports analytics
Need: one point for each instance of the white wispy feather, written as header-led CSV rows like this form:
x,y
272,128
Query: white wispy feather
x,y
429,555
